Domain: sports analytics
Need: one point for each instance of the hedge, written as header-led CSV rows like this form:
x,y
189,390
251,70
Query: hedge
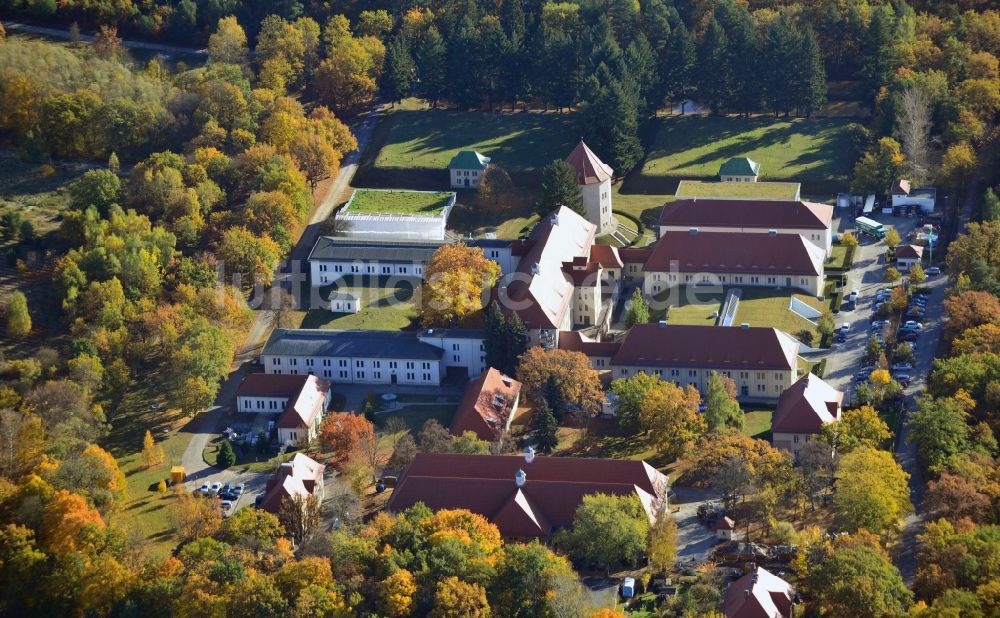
x,y
820,368
639,227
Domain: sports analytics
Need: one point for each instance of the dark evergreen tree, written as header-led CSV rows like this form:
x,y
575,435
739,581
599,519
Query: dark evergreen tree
x,y
560,187
781,49
656,19
554,397
641,61
878,55
609,120
398,71
226,457
809,76
495,338
464,85
512,18
544,427
517,343
678,66
744,56
562,69
605,49
713,70
431,60
492,65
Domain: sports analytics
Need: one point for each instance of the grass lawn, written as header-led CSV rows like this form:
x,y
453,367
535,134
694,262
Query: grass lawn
x,y
419,138
513,217
813,151
758,306
415,416
757,423
393,308
838,257
604,438
686,305
387,201
247,460
747,190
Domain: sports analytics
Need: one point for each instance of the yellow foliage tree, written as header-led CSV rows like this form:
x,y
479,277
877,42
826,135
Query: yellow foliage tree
x,y
152,453
575,378
68,524
670,415
397,592
454,281
454,598
195,517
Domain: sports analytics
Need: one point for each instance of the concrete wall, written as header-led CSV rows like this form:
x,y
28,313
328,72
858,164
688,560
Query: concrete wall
x,y
656,282
465,179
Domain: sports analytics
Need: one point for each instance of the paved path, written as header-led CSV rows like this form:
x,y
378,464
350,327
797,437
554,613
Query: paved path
x,y
694,539
59,33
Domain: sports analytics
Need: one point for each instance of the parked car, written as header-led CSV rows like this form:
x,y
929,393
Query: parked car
x,y
215,488
845,327
933,270
916,302
913,325
902,366
237,491
224,493
628,588
880,323
205,488
909,336
227,508
853,296
867,368
862,376
902,378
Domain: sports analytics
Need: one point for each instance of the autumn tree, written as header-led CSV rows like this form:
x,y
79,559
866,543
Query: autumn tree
x,y
576,380
879,167
630,393
721,408
68,524
661,547
495,185
454,282
669,414
152,453
454,598
299,515
396,594
856,428
892,238
970,309
917,274
195,516
958,164
228,44
855,577
16,316
251,257
892,274
872,491
342,434
940,428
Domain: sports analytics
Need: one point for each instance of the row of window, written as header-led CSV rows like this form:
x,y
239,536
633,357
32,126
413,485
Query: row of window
x,y
360,375
372,269
376,364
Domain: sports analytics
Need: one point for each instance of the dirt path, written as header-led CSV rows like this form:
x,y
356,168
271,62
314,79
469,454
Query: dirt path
x,y
59,33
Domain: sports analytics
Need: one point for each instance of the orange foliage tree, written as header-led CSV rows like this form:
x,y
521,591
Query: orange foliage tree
x,y
454,282
575,378
342,434
69,524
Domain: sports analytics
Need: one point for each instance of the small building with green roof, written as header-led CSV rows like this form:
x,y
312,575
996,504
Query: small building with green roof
x,y
466,168
739,169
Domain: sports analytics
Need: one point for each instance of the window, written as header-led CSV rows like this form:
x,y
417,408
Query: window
x,y
322,268
674,373
293,362
361,375
771,281
754,280
761,388
600,362
761,375
409,365
427,365
378,375
275,361
359,363
777,376
377,364
338,268
795,438
343,374
454,346
427,377
386,270
392,364
327,373
343,362
455,358
692,373
744,375
309,362
326,362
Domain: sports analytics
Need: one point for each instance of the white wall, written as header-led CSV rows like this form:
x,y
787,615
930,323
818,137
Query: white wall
x,y
460,352
348,305
597,201
324,272
503,257
926,205
356,370
738,178
458,178
655,282
261,405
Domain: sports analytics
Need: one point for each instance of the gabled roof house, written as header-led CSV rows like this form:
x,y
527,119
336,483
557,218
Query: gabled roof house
x,y
300,477
488,405
759,594
803,410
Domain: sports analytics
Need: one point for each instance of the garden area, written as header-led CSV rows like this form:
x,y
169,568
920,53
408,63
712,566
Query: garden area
x,y
742,190
382,308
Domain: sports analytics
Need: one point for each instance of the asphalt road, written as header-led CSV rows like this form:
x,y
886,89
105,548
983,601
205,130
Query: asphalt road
x,y
59,33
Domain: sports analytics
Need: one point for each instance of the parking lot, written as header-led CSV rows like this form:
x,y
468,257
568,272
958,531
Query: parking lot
x,y
846,359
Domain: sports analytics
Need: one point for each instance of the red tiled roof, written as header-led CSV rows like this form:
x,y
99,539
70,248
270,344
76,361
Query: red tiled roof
x,y
909,252
304,407
765,214
735,252
635,254
806,406
554,488
271,385
577,342
558,238
759,594
724,523
487,398
707,347
901,187
606,255
589,169
583,272
298,477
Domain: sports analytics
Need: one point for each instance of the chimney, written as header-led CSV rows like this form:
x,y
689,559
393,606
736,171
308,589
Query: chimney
x,y
745,326
554,219
694,231
520,478
772,233
529,455
534,268
662,323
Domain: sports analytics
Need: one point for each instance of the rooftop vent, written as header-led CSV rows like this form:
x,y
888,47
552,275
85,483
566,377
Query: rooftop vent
x,y
662,323
745,326
520,478
529,455
693,231
554,219
772,233
534,268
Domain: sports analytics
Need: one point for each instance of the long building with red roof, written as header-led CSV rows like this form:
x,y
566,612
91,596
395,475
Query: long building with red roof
x,y
525,497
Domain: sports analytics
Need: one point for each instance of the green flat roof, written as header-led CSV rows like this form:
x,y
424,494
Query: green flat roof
x,y
741,190
468,160
739,166
394,202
